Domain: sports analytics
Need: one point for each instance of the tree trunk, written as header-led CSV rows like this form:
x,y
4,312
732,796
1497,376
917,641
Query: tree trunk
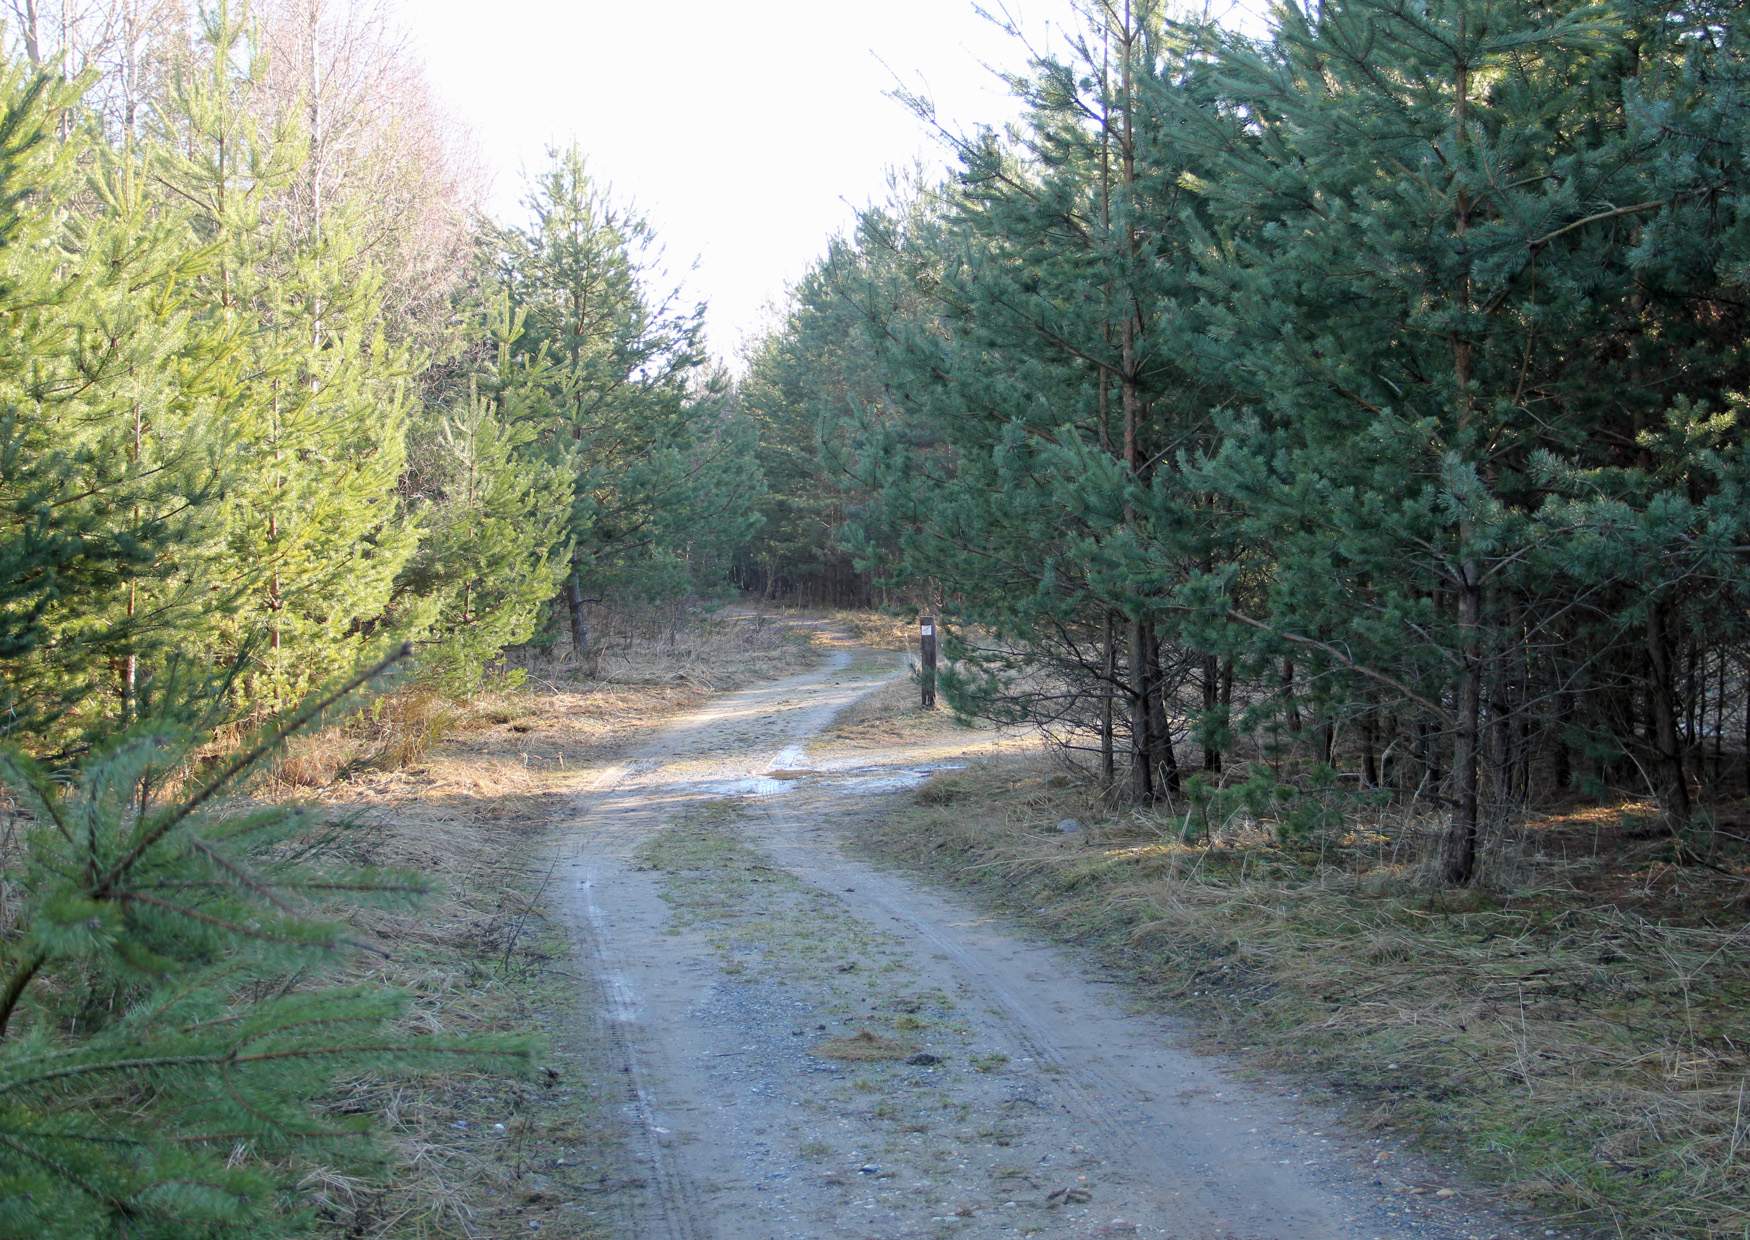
x,y
1130,402
1562,758
1428,753
33,48
1673,786
1109,666
1692,695
1141,778
1163,761
1458,854
1720,725
579,615
1211,699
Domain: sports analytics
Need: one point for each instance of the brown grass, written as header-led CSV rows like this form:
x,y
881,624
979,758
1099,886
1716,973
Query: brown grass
x,y
862,1047
644,669
478,958
702,648
1587,1054
878,630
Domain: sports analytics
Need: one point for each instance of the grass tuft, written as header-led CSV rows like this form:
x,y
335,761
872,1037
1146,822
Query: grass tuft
x,y
862,1047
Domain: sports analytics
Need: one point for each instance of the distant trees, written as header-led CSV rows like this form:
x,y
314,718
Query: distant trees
x,y
664,481
800,384
1363,393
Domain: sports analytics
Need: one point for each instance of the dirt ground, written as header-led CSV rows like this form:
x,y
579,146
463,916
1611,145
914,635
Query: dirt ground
x,y
796,1042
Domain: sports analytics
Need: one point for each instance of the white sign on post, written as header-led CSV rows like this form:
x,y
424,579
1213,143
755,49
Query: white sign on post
x,y
929,630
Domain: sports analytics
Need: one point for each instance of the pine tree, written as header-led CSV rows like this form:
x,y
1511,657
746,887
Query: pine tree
x,y
1051,376
1416,259
167,1017
801,384
315,534
494,544
113,451
628,403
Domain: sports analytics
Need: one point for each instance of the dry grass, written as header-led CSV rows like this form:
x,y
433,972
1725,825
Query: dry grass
x,y
474,1153
699,647
646,666
862,1047
877,630
1590,1054
890,715
394,731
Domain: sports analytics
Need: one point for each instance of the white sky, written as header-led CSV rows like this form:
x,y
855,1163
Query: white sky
x,y
746,130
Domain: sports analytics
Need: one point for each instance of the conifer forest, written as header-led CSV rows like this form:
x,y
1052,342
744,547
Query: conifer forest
x,y
1320,439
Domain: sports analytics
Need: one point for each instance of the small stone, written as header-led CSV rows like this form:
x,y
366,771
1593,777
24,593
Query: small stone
x,y
869,1169
1446,1192
1069,826
923,1059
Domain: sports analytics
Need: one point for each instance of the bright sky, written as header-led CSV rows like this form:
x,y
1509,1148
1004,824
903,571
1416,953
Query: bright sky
x,y
746,130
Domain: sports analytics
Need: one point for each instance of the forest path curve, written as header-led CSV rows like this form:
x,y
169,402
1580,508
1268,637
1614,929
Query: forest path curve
x,y
808,1045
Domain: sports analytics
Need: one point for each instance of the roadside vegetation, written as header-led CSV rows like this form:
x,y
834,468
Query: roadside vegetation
x,y
1571,1031
276,398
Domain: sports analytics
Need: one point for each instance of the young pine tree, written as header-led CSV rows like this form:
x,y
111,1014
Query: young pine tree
x,y
110,435
495,530
314,531
167,1015
627,398
1413,281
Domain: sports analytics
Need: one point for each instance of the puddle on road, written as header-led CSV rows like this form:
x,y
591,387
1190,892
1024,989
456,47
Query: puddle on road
x,y
758,786
888,780
852,781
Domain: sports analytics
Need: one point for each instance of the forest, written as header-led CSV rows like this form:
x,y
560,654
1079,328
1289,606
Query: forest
x,y
1284,423
1366,395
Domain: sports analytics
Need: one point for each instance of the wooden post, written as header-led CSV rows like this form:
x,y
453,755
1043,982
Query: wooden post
x,y
927,649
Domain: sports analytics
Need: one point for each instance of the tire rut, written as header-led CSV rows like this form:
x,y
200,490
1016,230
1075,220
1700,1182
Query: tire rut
x,y
710,1138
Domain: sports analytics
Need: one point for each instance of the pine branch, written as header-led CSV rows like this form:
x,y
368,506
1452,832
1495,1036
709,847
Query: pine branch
x,y
151,833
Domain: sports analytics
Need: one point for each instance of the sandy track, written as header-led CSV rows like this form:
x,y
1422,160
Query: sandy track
x,y
732,945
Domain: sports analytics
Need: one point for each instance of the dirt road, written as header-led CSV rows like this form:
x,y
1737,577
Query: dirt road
x,y
807,1045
